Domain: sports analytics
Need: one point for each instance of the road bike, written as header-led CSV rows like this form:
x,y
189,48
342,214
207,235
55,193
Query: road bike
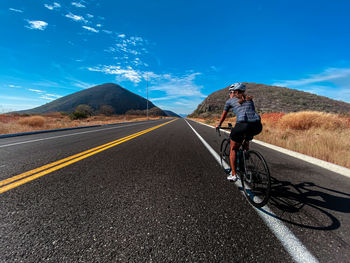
x,y
251,168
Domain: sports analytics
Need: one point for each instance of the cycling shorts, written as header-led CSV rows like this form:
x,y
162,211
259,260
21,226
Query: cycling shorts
x,y
241,129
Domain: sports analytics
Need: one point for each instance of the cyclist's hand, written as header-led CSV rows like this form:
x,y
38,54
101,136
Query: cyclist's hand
x,y
217,128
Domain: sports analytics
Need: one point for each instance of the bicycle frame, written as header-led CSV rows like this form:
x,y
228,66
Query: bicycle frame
x,y
252,178
239,154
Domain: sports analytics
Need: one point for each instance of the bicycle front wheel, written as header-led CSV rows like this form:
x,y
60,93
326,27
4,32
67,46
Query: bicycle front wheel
x,y
225,155
256,180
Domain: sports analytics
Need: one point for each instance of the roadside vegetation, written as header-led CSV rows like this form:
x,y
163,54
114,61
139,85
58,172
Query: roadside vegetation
x,y
83,115
321,135
15,123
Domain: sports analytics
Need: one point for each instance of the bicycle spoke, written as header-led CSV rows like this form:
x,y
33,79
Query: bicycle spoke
x,y
256,183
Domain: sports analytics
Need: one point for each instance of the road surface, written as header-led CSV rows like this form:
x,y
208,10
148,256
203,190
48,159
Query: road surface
x,y
151,191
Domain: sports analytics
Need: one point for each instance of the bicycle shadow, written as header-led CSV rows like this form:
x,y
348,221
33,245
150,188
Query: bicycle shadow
x,y
305,204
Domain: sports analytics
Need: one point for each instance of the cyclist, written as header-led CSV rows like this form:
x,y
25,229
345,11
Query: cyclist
x,y
248,122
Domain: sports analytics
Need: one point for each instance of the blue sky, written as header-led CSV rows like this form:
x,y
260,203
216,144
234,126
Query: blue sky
x,y
187,49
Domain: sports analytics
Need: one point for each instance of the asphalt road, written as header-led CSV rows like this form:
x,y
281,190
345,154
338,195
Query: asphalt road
x,y
159,196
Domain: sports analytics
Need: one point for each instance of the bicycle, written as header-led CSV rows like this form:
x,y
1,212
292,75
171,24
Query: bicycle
x,y
251,168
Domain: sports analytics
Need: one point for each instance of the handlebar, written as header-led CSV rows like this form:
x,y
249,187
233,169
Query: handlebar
x,y
229,127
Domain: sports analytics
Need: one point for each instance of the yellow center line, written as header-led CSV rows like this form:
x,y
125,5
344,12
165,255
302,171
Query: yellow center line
x,y
41,171
20,176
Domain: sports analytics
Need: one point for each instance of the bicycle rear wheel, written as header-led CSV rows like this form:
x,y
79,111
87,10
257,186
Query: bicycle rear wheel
x,y
225,155
256,180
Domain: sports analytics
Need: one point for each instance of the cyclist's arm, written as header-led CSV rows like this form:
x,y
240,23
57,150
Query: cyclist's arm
x,y
223,117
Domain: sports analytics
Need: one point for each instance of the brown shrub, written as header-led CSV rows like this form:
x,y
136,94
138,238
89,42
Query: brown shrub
x,y
33,121
272,116
306,120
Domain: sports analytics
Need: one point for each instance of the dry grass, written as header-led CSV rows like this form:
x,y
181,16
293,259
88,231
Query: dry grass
x,y
322,135
33,121
306,120
14,123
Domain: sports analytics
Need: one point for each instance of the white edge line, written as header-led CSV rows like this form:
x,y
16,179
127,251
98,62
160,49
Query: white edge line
x,y
326,165
289,241
65,135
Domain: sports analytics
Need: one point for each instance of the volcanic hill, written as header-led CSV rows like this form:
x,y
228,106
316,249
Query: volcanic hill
x,y
109,94
272,99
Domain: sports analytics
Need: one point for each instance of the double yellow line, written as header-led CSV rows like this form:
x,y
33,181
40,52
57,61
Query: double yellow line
x,y
31,175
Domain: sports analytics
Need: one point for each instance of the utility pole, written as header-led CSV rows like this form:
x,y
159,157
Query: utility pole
x,y
147,96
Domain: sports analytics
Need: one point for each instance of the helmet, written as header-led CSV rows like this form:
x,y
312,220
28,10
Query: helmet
x,y
237,86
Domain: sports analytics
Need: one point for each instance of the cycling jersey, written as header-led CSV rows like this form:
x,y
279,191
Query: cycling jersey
x,y
245,112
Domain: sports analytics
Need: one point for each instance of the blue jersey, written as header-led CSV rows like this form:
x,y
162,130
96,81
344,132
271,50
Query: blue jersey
x,y
245,112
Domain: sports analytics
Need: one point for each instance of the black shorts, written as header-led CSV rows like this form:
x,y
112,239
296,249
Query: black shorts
x,y
249,129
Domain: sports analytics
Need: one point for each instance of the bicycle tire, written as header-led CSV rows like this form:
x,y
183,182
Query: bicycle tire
x,y
256,180
225,155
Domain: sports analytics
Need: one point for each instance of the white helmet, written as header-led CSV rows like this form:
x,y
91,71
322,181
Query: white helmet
x,y
237,86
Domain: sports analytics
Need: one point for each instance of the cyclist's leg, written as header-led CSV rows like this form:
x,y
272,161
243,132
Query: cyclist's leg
x,y
233,150
236,136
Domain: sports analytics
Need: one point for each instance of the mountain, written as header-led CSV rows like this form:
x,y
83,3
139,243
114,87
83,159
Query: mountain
x,y
273,99
110,94
171,114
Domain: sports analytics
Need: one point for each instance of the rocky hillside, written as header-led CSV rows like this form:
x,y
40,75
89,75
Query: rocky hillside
x,y
112,95
273,99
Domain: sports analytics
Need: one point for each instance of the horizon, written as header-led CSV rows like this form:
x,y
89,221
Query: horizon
x,y
186,51
181,114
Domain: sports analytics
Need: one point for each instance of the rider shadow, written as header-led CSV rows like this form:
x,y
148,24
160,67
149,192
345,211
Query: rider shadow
x,y
305,204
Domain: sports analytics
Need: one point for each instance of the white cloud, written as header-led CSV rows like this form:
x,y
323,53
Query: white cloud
x,y
50,97
110,50
181,94
38,25
14,86
53,95
90,29
53,6
107,32
332,82
130,46
178,86
213,68
47,98
99,25
44,95
83,85
178,93
36,90
122,73
76,17
16,10
327,75
80,5
179,105
89,15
